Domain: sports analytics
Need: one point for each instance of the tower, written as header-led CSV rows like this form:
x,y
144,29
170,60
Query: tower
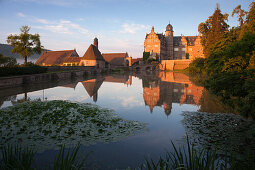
x,y
169,42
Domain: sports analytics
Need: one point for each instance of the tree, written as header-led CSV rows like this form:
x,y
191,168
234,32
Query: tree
x,y
7,61
25,44
241,14
213,29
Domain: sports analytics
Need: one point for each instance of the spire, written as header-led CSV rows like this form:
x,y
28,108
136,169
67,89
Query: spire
x,y
152,29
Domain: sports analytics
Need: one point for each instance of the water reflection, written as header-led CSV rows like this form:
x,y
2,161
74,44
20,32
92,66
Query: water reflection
x,y
170,88
147,98
159,89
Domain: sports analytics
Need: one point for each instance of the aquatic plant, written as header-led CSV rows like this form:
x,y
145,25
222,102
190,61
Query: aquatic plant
x,y
69,160
184,159
46,125
13,157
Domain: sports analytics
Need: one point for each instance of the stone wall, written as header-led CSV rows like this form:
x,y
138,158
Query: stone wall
x,y
174,64
67,68
13,81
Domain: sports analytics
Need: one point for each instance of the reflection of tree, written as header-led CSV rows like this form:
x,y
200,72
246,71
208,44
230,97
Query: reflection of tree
x,y
8,98
212,104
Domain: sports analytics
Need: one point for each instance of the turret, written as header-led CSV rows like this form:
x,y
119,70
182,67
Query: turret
x,y
169,30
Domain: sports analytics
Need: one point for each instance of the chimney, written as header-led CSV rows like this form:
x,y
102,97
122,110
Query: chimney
x,y
96,42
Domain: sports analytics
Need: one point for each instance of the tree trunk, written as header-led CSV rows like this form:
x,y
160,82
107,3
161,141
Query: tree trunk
x,y
25,60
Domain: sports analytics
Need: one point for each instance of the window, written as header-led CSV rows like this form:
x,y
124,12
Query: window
x,y
183,49
176,49
156,45
190,49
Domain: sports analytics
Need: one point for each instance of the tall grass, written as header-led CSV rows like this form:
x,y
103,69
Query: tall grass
x,y
185,159
68,161
16,158
13,157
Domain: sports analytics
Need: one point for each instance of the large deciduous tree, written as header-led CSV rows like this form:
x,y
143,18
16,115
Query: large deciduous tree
x,y
25,44
213,29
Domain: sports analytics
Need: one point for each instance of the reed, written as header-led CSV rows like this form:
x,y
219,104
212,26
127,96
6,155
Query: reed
x,y
13,157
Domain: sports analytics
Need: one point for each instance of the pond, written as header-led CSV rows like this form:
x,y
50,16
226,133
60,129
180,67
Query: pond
x,y
166,103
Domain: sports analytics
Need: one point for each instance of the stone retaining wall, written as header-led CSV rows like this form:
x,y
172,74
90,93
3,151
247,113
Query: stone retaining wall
x,y
174,64
44,77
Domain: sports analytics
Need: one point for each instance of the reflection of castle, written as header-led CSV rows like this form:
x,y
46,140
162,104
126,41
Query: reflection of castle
x,y
170,88
92,86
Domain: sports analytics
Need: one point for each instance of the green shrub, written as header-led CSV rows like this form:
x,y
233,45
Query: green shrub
x,y
197,66
13,71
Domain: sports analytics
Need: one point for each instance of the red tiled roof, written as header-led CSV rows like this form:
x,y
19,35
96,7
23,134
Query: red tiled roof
x,y
115,58
55,57
134,60
72,60
92,53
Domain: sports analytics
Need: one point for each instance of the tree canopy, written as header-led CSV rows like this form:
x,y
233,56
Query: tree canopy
x,y
213,29
25,44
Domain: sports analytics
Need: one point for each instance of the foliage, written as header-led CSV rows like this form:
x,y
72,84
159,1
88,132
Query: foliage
x,y
197,66
6,49
236,89
17,70
7,61
146,56
69,160
182,158
13,157
186,55
241,14
212,30
45,125
25,44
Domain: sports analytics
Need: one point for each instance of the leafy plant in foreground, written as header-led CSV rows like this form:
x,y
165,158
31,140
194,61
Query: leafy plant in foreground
x,y
190,159
16,158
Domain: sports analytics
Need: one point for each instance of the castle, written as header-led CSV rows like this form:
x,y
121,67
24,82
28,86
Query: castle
x,y
169,47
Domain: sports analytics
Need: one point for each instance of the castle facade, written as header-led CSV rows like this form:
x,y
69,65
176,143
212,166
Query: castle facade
x,y
169,47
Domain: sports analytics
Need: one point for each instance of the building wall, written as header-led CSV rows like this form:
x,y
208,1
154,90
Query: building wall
x,y
152,43
168,50
174,64
99,64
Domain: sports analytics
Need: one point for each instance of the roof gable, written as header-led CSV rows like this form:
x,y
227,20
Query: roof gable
x,y
115,58
92,53
55,57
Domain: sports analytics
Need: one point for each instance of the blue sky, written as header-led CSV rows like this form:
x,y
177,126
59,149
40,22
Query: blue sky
x,y
120,25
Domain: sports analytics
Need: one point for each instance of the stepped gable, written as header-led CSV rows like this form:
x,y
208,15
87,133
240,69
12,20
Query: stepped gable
x,y
115,58
93,53
55,57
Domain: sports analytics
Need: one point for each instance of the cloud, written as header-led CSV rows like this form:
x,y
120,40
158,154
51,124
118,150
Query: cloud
x,y
132,28
62,26
21,15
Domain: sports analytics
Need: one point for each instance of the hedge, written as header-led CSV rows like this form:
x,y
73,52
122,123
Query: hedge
x,y
13,71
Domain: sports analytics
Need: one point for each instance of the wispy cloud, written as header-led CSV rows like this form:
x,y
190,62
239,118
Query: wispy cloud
x,y
62,26
132,28
21,14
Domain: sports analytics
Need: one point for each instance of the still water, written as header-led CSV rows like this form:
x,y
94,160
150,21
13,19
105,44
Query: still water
x,y
158,100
